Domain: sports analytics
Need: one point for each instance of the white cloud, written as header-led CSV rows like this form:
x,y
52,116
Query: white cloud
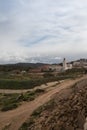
x,y
29,28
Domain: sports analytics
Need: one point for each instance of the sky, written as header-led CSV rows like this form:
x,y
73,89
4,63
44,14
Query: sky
x,y
42,30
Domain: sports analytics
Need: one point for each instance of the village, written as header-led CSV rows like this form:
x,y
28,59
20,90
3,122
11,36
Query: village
x,y
61,67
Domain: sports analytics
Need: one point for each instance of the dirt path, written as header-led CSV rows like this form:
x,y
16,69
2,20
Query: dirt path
x,y
15,118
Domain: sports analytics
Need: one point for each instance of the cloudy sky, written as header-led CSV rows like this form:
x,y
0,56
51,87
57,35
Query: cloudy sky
x,y
42,30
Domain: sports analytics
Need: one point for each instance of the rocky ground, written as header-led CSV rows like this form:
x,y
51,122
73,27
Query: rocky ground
x,y
66,111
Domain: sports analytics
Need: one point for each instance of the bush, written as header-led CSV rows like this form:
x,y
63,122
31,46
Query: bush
x,y
39,91
37,112
48,74
25,125
9,107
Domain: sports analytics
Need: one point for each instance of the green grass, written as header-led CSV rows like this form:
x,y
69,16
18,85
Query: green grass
x,y
28,84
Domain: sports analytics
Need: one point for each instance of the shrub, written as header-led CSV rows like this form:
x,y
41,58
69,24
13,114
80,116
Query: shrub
x,y
39,91
25,125
48,74
9,107
37,112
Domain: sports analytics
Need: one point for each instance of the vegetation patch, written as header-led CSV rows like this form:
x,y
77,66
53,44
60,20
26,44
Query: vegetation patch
x,y
12,101
9,107
8,102
37,112
29,84
27,124
6,127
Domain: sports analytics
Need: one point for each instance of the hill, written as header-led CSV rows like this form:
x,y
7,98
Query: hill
x,y
20,66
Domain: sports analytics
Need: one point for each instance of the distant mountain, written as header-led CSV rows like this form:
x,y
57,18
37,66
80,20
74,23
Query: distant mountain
x,y
27,66
20,66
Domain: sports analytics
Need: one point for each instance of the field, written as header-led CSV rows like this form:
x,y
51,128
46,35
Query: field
x,y
9,80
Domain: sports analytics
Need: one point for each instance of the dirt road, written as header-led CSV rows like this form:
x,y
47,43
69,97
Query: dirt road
x,y
15,118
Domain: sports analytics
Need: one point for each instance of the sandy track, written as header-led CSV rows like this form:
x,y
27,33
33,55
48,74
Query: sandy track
x,y
16,117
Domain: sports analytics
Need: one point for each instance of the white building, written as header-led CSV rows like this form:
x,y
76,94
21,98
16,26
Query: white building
x,y
64,64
